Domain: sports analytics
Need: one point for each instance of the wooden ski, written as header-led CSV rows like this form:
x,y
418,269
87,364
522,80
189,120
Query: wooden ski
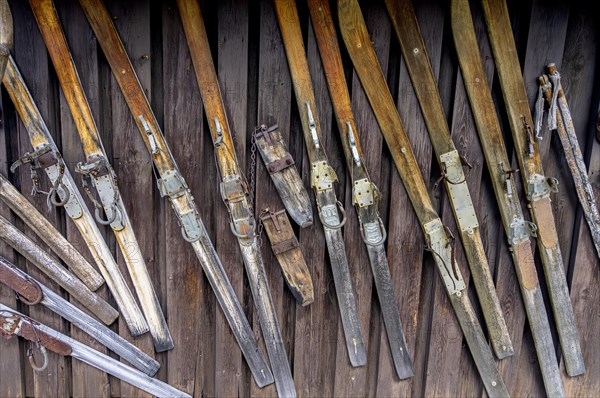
x,y
366,65
235,195
553,92
286,249
30,291
99,172
322,178
50,235
56,271
6,34
280,165
365,195
173,186
537,185
65,193
518,230
44,339
451,163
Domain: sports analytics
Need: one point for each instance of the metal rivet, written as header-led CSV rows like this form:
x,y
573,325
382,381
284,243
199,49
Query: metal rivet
x,y
494,383
415,50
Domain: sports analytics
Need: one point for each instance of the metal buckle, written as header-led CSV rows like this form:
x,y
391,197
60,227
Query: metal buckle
x,y
539,186
171,184
520,230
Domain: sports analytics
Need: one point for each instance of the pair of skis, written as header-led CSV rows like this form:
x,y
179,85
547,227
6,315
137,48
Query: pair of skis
x,y
65,193
98,172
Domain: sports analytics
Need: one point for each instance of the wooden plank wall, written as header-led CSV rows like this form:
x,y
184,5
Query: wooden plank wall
x,y
256,86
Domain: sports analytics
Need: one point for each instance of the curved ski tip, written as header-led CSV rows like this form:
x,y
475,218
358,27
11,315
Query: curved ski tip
x,y
302,217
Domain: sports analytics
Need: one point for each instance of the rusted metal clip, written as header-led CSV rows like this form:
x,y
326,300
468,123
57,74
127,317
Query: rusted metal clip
x,y
265,132
530,136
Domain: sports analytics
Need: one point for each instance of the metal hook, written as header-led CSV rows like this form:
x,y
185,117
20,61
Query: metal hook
x,y
34,366
109,220
54,197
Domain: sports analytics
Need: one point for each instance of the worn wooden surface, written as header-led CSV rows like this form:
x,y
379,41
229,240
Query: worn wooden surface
x,y
256,88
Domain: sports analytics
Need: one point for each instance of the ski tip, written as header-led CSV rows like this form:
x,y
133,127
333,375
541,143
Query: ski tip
x,y
358,356
165,344
263,377
404,368
137,329
151,367
504,352
575,369
301,216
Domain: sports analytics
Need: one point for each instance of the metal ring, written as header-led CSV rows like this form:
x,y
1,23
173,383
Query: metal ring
x,y
53,194
341,223
107,221
249,235
34,366
383,234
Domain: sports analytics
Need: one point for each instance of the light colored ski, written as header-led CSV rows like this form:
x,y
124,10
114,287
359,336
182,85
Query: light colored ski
x,y
13,323
172,185
49,234
98,171
30,291
366,65
322,178
56,271
365,195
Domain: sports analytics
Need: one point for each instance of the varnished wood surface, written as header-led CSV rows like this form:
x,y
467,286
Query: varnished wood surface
x,y
255,84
